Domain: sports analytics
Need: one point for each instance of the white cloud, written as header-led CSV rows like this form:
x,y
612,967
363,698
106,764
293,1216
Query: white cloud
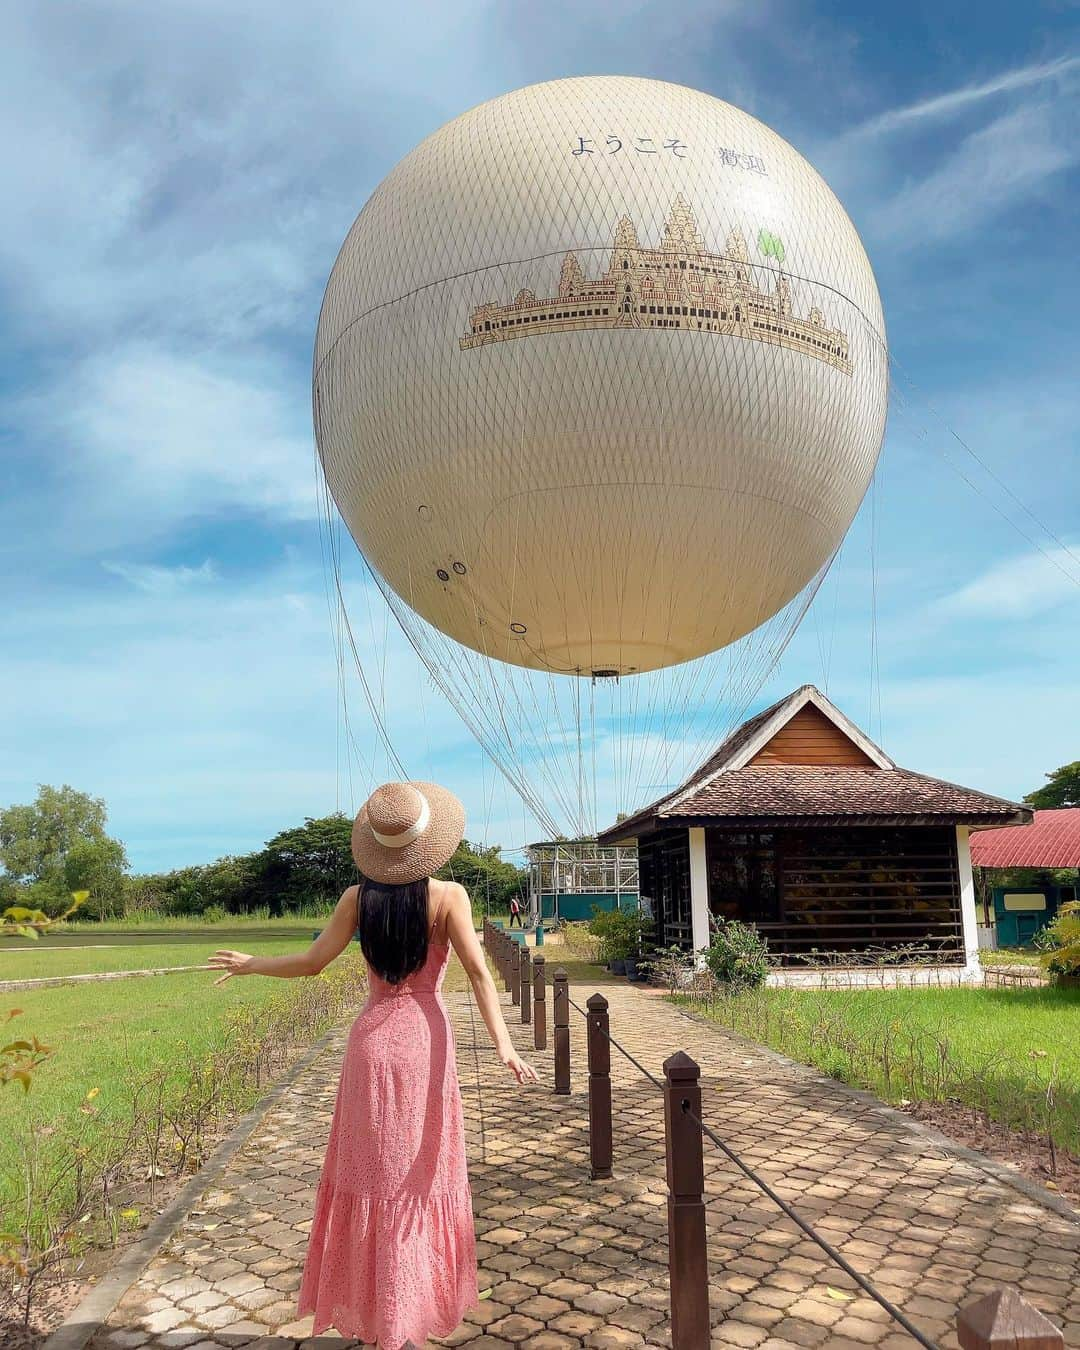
x,y
159,438
946,105
999,166
1017,588
162,581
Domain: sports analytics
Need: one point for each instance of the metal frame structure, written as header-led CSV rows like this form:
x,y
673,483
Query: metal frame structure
x,y
580,867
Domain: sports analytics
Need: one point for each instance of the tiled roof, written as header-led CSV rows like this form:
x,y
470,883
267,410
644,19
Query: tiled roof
x,y
824,790
777,793
1051,840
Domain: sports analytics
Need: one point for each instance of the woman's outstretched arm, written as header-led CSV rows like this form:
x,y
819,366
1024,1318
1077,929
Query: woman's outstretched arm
x,y
331,942
459,928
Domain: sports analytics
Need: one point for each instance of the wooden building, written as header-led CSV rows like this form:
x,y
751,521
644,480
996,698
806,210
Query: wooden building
x,y
802,826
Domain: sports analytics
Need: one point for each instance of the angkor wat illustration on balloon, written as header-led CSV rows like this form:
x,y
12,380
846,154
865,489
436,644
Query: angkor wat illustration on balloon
x,y
678,285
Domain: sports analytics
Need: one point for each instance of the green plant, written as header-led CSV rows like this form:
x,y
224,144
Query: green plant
x,y
582,942
738,955
621,932
672,966
1062,941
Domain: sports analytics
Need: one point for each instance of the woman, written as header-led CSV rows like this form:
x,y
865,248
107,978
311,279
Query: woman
x,y
391,1256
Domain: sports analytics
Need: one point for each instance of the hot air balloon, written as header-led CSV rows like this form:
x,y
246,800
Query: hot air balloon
x,y
600,378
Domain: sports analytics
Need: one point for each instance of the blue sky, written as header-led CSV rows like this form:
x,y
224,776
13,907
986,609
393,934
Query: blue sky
x,y
178,180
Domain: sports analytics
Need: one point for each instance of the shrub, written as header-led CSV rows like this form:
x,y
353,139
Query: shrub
x,y
738,955
1061,943
585,945
621,932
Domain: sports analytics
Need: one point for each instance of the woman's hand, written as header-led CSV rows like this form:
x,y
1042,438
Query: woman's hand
x,y
232,963
522,1071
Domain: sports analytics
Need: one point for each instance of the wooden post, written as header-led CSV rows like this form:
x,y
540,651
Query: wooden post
x,y
1005,1318
505,967
688,1264
539,1003
515,974
525,985
560,1001
599,1089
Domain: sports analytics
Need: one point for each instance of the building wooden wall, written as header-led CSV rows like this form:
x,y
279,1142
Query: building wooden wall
x,y
811,738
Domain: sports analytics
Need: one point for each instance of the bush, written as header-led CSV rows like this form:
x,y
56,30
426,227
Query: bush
x,y
1061,941
738,955
621,932
585,945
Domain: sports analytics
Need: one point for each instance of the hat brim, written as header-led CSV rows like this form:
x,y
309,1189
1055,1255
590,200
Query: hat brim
x,y
419,859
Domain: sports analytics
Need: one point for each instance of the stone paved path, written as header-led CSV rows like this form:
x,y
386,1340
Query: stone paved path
x,y
573,1262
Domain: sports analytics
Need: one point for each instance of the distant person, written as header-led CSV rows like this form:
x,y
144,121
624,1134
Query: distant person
x,y
391,1256
515,913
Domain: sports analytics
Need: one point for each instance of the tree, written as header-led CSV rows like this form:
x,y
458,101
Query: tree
x,y
485,874
1062,789
312,862
58,844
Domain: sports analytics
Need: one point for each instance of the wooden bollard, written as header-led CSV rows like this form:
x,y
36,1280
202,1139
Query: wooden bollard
x,y
515,974
560,1001
688,1263
1005,1318
525,984
505,967
539,983
599,1089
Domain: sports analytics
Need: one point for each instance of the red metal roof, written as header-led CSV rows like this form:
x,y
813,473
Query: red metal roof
x,y
1051,840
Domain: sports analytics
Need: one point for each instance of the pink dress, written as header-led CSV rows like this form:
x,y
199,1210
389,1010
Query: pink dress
x,y
392,1253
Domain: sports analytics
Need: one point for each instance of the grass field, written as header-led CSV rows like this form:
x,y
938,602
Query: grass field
x,y
45,961
106,1034
149,1050
1010,956
1013,1053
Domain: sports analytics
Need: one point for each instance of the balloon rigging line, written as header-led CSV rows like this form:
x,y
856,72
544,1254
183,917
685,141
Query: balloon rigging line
x,y
923,435
986,467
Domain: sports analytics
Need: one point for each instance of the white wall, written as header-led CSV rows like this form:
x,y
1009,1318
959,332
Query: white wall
x,y
699,890
967,904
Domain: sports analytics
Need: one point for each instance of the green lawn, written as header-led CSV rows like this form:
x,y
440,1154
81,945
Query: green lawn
x,y
1010,956
110,1035
1014,1053
41,962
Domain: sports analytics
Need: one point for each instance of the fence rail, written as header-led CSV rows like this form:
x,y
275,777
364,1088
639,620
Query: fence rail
x,y
1002,1318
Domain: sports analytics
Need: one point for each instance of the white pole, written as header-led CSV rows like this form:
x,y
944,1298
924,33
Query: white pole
x,y
968,916
699,890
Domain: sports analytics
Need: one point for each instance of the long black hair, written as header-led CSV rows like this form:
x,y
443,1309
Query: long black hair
x,y
392,922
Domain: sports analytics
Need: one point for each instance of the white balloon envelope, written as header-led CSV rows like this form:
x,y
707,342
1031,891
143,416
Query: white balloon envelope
x,y
600,377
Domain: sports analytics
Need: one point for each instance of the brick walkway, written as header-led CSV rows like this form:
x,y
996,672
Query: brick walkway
x,y
573,1262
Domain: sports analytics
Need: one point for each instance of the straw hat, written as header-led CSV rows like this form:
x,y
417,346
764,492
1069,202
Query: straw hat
x,y
406,831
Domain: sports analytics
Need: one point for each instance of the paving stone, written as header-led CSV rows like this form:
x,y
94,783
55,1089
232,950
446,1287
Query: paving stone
x,y
163,1320
223,1316
515,1327
243,1283
202,1301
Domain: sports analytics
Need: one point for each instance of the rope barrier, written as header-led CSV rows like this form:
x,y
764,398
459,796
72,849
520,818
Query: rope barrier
x,y
825,1245
778,1200
621,1049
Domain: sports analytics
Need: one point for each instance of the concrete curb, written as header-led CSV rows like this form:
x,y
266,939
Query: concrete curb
x,y
85,1320
1003,1172
44,981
